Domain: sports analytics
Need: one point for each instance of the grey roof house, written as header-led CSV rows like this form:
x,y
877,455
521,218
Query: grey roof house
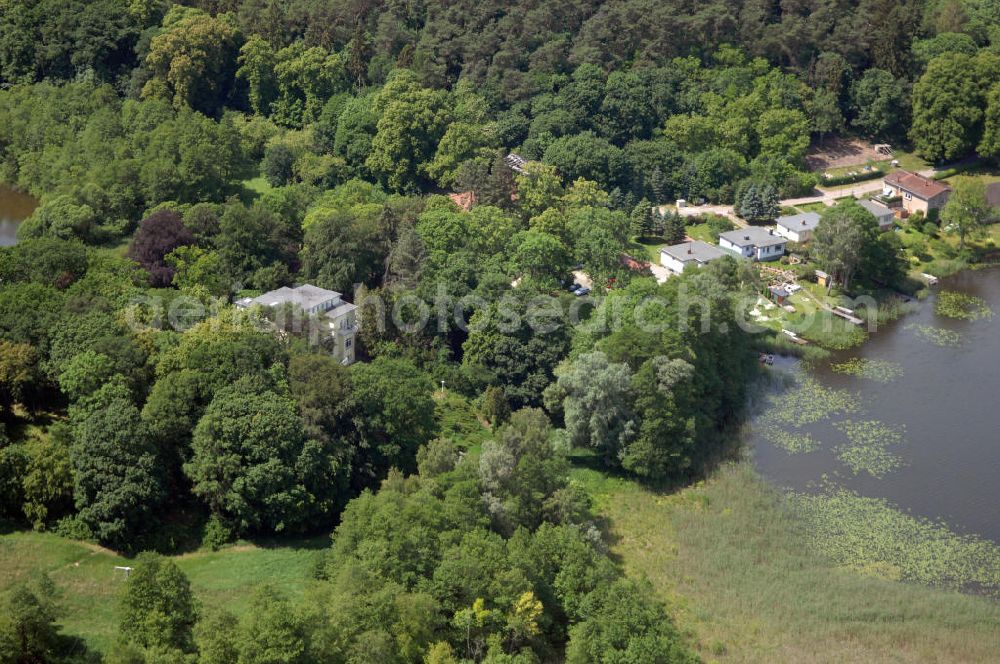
x,y
754,242
330,305
677,257
797,227
883,214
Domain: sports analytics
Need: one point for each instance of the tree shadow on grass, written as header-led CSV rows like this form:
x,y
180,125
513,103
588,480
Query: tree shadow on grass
x,y
730,446
298,543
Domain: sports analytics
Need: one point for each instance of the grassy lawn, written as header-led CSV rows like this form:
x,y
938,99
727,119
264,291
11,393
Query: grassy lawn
x,y
986,174
701,232
647,248
938,254
737,572
258,186
459,422
812,207
89,584
909,161
810,321
992,234
855,168
829,331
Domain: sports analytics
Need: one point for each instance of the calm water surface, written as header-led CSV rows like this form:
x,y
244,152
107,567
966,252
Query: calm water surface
x,y
15,207
947,398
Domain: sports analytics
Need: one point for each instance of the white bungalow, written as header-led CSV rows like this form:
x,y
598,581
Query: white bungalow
x,y
754,243
677,257
797,227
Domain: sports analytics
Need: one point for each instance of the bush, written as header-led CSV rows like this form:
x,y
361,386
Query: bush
x,y
216,534
955,170
716,225
779,344
847,178
887,311
278,164
945,267
71,527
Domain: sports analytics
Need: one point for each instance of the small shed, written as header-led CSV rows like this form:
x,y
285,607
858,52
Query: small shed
x,y
822,278
778,294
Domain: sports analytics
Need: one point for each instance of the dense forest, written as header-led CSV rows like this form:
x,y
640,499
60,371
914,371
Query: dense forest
x,y
187,155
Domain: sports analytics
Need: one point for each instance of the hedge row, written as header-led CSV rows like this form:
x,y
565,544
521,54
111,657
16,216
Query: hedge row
x,y
860,176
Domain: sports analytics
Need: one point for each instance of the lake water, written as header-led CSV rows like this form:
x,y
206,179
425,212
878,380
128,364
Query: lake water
x,y
15,207
948,400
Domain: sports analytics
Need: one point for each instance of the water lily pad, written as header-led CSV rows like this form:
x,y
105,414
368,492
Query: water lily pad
x,y
870,447
937,335
809,402
882,371
962,306
789,441
871,534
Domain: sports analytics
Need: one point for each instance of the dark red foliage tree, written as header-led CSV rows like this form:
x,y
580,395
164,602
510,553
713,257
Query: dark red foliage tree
x,y
158,235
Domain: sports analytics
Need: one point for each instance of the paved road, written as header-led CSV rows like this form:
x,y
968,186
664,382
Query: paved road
x,y
825,196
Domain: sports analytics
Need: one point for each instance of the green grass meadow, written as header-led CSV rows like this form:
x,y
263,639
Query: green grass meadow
x,y
88,583
737,571
730,559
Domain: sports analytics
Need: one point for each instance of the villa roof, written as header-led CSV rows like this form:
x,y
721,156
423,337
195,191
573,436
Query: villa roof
x,y
340,310
632,263
305,296
463,199
516,162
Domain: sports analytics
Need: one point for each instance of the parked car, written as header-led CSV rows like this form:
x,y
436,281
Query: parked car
x,y
580,292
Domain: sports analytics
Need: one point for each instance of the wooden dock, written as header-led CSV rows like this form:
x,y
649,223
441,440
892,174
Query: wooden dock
x,y
794,338
847,314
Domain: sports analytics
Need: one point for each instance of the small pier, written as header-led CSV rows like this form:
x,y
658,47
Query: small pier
x,y
847,314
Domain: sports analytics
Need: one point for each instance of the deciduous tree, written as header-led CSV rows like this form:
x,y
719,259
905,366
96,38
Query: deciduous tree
x,y
192,59
159,234
158,608
967,210
840,238
117,481
251,463
947,108
880,104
